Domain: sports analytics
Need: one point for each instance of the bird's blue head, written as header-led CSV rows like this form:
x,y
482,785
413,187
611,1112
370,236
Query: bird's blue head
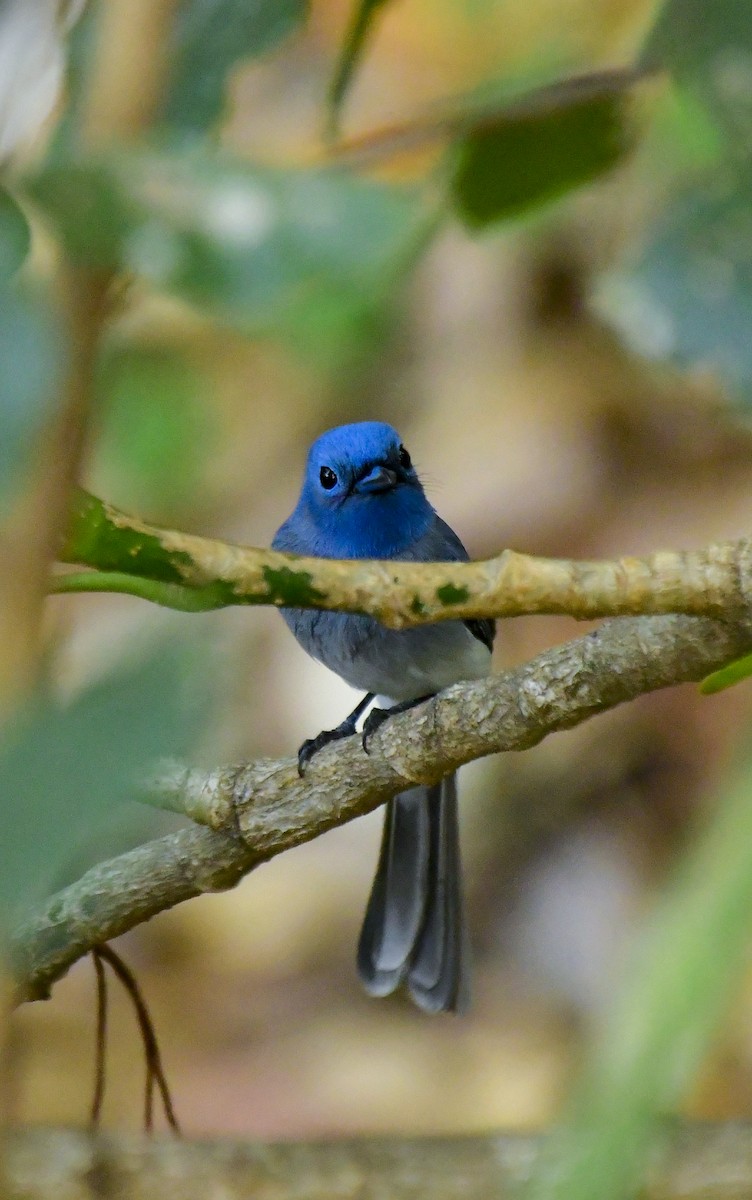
x,y
361,496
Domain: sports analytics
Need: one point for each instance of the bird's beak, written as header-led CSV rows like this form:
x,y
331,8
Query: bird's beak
x,y
378,479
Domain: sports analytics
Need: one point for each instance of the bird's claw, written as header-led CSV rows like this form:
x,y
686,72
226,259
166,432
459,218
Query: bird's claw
x,y
377,716
310,747
325,738
345,729
374,721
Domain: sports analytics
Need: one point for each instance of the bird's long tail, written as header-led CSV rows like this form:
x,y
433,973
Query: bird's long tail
x,y
414,929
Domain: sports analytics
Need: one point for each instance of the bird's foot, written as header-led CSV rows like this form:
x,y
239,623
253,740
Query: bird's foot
x,y
377,717
312,745
327,736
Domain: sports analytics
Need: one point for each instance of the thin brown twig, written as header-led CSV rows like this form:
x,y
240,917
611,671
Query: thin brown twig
x,y
149,1100
154,1069
100,1073
468,115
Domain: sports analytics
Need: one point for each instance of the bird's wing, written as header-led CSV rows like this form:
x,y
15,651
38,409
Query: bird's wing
x,y
441,544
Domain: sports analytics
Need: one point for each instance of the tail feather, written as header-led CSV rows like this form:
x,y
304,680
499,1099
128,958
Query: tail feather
x,y
438,974
395,909
413,931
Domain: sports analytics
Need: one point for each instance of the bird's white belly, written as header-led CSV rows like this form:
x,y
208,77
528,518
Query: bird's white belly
x,y
423,672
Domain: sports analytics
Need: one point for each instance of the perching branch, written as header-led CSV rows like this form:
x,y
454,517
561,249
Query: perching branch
x,y
185,571
698,1162
260,809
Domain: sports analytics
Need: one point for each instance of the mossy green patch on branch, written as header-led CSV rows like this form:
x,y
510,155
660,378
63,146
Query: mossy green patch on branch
x,y
100,536
449,594
291,588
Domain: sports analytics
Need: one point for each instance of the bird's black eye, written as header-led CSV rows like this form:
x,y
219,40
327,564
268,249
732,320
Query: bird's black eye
x,y
404,457
327,477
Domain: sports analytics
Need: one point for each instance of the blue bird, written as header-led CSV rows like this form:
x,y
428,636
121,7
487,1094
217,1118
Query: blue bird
x,y
361,498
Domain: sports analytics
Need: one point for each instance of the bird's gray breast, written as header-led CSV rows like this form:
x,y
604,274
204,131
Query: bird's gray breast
x,y
400,663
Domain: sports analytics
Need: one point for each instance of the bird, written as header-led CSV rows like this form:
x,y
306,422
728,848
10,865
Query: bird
x,y
361,497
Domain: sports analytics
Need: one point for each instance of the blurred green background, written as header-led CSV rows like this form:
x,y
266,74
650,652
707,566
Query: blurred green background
x,y
554,311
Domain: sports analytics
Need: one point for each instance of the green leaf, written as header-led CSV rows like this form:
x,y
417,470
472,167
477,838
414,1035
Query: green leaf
x,y
15,236
687,299
708,47
729,675
541,147
359,29
210,36
64,769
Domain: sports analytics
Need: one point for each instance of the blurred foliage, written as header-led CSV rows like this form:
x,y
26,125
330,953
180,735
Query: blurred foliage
x,y
69,767
209,38
32,362
15,236
296,253
152,417
707,49
545,145
29,351
93,214
684,140
82,46
687,296
361,26
675,989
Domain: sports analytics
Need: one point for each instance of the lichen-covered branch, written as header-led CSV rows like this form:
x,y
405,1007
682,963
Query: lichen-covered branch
x,y
698,1162
716,581
263,808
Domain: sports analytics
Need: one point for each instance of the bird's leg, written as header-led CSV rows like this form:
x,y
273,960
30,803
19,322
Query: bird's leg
x,y
377,716
345,729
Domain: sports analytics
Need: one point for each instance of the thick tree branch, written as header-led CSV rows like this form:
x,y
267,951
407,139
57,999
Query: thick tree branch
x,y
261,809
715,581
697,1163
